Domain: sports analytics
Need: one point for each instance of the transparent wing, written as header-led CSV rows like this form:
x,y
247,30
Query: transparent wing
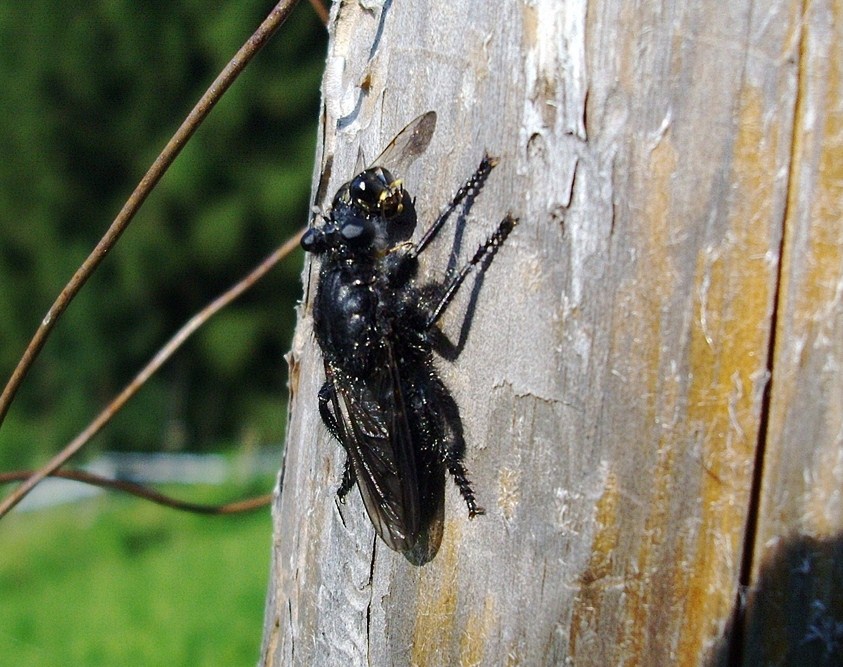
x,y
372,427
408,144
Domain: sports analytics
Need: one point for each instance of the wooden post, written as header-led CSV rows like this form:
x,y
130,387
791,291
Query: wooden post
x,y
651,394
795,602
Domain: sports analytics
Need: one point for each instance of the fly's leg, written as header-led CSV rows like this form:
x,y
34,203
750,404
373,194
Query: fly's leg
x,y
453,444
468,191
438,428
347,481
458,472
485,252
326,398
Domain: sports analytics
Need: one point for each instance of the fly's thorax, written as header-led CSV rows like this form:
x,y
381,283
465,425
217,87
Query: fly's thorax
x,y
345,313
399,266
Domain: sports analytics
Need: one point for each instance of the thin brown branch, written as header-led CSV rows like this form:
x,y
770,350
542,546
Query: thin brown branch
x,y
236,65
320,9
145,492
155,363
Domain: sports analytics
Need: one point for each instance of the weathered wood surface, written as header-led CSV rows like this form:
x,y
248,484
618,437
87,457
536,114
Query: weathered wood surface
x,y
797,564
614,383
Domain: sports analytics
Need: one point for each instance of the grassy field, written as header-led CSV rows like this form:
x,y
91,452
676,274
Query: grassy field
x,y
115,581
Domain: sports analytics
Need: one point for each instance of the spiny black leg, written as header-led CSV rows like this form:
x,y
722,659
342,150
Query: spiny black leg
x,y
458,472
441,420
486,251
326,398
347,481
468,189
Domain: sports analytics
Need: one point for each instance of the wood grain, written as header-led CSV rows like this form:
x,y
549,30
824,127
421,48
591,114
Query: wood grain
x,y
616,383
797,564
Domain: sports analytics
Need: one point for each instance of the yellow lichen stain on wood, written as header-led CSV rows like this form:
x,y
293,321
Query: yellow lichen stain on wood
x,y
436,628
587,610
823,255
823,502
830,199
436,604
809,327
661,396
658,216
643,598
642,297
826,240
659,272
606,540
509,492
728,349
474,638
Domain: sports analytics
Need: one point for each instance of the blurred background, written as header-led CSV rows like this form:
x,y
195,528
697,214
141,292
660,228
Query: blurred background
x,y
91,91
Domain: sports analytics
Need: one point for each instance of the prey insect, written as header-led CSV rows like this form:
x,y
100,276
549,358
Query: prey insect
x,y
376,325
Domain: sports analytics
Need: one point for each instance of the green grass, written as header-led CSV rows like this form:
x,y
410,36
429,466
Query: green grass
x,y
116,581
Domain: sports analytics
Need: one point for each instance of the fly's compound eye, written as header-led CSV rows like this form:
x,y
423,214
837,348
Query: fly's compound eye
x,y
391,197
391,202
313,240
365,191
357,231
377,192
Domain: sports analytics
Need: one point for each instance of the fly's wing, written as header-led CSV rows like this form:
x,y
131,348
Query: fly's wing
x,y
407,145
372,427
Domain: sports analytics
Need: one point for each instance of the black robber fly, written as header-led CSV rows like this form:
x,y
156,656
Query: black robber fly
x,y
376,324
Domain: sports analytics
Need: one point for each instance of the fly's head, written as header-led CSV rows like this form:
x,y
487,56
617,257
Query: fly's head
x,y
377,192
370,214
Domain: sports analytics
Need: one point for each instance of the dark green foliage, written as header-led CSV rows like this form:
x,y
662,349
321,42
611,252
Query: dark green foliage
x,y
115,581
91,92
